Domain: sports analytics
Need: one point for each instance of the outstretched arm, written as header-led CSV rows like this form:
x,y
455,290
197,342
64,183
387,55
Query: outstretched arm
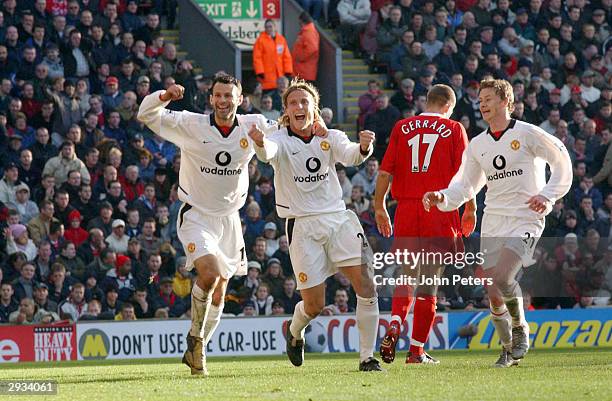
x,y
468,181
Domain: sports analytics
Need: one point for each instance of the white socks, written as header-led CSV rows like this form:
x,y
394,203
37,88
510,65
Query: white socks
x,y
516,310
501,320
212,321
299,321
200,304
367,323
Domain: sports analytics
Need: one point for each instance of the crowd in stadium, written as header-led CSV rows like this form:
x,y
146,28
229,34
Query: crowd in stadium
x,y
89,197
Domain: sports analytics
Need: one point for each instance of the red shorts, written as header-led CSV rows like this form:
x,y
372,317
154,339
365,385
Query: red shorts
x,y
416,229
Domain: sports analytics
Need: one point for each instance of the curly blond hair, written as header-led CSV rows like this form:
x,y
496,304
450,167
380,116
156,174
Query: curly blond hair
x,y
502,88
295,85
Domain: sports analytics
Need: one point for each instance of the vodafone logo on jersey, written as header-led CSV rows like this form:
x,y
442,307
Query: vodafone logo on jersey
x,y
313,165
223,159
499,162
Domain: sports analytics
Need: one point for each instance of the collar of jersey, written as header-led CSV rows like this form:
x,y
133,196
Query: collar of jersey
x,y
213,123
301,138
432,114
510,126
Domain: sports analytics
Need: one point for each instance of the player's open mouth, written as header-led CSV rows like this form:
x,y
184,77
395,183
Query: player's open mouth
x,y
223,109
300,117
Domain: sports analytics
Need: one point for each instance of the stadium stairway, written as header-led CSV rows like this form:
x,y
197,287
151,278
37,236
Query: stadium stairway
x,y
355,77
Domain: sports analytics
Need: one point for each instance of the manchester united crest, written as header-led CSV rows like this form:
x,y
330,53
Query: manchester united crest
x,y
303,277
515,145
191,247
325,146
244,143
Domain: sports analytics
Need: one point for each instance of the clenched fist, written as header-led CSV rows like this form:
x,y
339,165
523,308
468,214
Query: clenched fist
x,y
173,93
256,135
366,138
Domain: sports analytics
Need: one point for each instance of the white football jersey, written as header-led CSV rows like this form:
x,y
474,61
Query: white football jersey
x,y
305,178
213,177
514,169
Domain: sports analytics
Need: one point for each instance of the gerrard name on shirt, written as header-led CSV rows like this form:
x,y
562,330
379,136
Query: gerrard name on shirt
x,y
421,123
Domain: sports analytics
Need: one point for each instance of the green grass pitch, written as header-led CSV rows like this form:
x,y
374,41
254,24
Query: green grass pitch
x,y
573,374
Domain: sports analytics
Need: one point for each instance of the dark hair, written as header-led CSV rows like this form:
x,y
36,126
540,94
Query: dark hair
x,y
305,18
55,226
226,79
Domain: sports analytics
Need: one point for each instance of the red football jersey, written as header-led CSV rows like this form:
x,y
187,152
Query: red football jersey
x,y
424,153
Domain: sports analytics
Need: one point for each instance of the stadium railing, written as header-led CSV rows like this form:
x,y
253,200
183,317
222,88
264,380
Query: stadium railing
x,y
207,45
329,77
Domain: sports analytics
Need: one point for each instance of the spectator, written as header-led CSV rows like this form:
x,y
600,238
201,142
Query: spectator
x,y
267,108
58,283
168,300
73,263
151,27
113,96
282,254
24,285
382,122
104,219
271,57
367,101
354,15
263,300
126,312
277,308
22,204
305,52
8,184
340,304
366,177
17,240
289,297
259,251
29,313
270,234
39,226
248,309
59,166
182,282
121,277
94,308
118,240
42,262
389,35
8,304
41,298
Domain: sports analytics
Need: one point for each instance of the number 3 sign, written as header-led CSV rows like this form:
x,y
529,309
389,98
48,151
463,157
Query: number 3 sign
x,y
271,9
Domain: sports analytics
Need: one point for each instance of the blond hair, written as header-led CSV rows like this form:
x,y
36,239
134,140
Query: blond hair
x,y
502,88
295,85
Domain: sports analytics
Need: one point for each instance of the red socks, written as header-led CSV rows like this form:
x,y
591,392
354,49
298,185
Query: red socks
x,y
424,314
402,301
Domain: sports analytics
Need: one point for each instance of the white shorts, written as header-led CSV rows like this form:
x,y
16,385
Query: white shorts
x,y
203,235
517,234
319,245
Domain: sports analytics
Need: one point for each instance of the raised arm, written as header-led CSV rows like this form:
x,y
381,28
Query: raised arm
x,y
163,122
352,153
265,149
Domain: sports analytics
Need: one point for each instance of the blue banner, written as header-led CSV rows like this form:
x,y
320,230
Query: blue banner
x,y
564,328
